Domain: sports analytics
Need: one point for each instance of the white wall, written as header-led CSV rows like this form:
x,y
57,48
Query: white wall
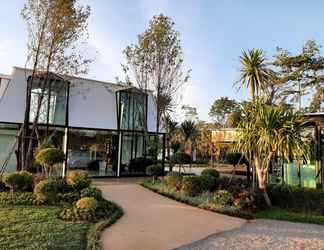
x,y
12,104
92,104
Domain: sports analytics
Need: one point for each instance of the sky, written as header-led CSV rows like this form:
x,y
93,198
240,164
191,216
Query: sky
x,y
213,34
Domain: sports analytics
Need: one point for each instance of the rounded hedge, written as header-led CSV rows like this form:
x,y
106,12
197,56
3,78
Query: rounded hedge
x,y
154,170
47,191
208,182
210,172
19,181
49,156
87,204
173,180
191,186
78,179
91,192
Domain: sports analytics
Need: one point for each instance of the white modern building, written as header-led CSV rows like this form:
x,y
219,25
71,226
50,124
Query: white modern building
x,y
102,127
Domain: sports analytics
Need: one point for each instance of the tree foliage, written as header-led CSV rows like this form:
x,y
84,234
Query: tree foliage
x,y
156,63
269,131
222,108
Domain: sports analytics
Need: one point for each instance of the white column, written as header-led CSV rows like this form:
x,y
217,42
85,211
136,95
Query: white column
x,y
119,153
65,150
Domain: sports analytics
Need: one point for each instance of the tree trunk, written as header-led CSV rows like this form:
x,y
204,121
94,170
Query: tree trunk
x,y
262,180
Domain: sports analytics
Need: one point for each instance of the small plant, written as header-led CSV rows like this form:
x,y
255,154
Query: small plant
x,y
19,181
191,186
78,179
47,191
174,180
210,172
91,192
223,198
154,171
48,157
87,205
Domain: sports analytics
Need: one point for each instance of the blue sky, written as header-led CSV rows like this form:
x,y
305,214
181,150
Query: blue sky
x,y
213,33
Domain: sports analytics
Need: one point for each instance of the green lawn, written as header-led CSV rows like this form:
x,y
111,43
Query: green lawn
x,y
281,214
39,228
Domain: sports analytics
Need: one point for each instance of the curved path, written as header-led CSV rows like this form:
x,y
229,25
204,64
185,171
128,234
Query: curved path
x,y
152,221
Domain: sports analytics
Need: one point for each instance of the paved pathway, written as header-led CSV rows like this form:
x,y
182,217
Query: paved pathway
x,y
153,222
265,234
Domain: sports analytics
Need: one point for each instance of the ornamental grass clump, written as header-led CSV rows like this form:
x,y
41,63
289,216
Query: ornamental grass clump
x,y
87,205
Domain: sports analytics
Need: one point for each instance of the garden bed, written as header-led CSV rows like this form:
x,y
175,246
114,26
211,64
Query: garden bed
x,y
58,214
289,203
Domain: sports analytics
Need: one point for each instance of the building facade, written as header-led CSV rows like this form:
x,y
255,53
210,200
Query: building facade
x,y
101,127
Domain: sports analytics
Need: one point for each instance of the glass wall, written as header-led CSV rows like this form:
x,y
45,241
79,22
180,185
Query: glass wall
x,y
53,99
132,110
94,151
8,147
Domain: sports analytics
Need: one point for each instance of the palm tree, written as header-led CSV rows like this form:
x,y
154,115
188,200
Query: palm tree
x,y
269,131
189,131
254,73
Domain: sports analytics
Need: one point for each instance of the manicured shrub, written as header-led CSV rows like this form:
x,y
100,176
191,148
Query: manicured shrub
x,y
17,198
47,191
210,172
87,204
223,198
181,158
139,164
48,157
19,181
208,182
191,185
173,180
297,198
91,192
104,210
78,179
154,171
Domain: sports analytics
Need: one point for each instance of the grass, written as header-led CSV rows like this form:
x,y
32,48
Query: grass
x,y
31,227
281,214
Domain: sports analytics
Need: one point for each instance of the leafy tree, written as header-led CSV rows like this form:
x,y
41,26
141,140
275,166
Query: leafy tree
x,y
55,28
221,108
190,113
171,128
254,72
156,62
300,74
268,131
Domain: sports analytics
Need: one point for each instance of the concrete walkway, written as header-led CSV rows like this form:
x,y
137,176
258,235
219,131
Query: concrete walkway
x,y
152,221
264,235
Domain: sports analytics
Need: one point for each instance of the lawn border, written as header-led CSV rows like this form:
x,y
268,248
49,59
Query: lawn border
x,y
94,233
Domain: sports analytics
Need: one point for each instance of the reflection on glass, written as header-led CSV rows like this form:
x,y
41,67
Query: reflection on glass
x,y
94,151
8,143
52,97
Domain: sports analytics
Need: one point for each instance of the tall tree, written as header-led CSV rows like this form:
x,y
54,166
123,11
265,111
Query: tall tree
x,y
254,72
189,131
156,63
301,74
269,131
55,29
221,108
190,113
